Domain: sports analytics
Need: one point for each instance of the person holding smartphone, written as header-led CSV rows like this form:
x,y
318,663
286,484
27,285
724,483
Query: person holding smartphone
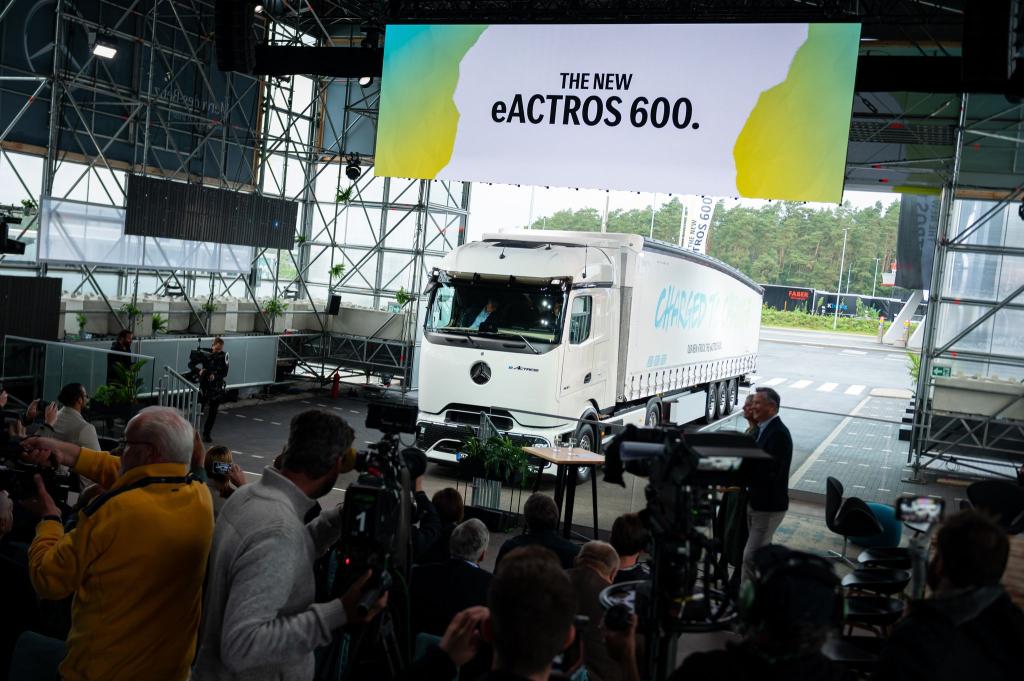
x,y
223,476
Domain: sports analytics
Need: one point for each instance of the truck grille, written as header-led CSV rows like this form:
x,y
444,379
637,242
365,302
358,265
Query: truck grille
x,y
430,433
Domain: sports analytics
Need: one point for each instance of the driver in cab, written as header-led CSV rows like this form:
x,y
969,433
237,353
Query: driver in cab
x,y
488,313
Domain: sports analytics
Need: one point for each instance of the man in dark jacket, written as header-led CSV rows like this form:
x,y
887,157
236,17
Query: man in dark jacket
x,y
769,496
541,517
595,570
123,343
442,590
969,628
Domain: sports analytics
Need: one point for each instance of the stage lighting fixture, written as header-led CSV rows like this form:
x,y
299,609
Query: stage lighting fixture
x,y
366,81
259,9
104,46
352,170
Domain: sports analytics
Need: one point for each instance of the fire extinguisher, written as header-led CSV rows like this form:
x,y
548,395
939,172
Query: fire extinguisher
x,y
335,385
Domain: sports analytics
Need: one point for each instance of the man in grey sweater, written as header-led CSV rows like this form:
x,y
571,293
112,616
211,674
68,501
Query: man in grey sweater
x,y
259,618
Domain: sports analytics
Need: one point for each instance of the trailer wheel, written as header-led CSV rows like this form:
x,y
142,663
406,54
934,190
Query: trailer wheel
x,y
585,439
654,415
723,398
733,390
711,403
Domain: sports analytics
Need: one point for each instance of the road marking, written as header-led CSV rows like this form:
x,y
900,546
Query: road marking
x,y
306,402
353,411
241,416
773,381
827,387
820,449
801,384
885,468
854,390
897,358
235,451
256,419
275,423
255,456
882,489
804,345
842,463
860,487
811,482
863,465
855,352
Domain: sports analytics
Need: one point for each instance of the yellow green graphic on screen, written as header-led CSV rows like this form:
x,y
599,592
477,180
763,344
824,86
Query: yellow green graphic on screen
x,y
418,120
779,130
803,123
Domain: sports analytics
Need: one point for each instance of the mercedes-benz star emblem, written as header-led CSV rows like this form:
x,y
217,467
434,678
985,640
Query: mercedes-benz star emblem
x,y
480,373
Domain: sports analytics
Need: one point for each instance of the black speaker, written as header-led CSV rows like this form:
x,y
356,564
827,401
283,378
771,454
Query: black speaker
x,y
233,38
990,40
334,306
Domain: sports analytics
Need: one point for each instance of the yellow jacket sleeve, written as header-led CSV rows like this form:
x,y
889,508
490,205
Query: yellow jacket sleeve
x,y
100,467
57,561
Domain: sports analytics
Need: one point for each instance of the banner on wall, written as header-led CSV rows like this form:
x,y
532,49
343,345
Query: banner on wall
x,y
915,241
754,110
698,211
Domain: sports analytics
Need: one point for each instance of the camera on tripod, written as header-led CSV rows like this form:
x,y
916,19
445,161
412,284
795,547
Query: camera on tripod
x,y
683,470
376,518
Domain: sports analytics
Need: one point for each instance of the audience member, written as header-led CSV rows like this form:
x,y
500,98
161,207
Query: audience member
x,y
629,538
541,516
969,628
223,476
70,426
595,570
442,590
787,607
259,618
121,344
450,509
769,496
426,531
135,561
6,513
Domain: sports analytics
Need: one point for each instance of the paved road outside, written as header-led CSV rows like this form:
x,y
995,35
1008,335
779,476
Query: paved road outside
x,y
831,373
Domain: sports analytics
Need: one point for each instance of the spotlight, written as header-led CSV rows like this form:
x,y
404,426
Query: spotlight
x,y
352,170
104,46
259,9
366,81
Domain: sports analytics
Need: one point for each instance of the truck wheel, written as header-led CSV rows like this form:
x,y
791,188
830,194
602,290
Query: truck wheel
x,y
711,403
723,398
732,390
585,439
653,416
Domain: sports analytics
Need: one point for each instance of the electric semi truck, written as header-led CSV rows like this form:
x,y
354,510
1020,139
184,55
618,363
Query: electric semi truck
x,y
538,329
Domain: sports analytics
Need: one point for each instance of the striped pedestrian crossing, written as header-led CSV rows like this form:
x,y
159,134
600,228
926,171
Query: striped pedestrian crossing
x,y
785,383
827,387
854,390
800,385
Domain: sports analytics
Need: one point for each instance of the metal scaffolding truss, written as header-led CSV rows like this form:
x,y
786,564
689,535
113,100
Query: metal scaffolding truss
x,y
161,108
972,330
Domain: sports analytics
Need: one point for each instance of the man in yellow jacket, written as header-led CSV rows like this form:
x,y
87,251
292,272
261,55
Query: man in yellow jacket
x,y
136,560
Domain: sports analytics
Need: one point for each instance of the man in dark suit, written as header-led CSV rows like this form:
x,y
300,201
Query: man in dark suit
x,y
769,496
541,517
442,590
595,570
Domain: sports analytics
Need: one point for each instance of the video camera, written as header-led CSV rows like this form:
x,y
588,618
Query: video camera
x,y
17,478
683,470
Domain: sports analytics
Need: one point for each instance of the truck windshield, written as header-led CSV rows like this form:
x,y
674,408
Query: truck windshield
x,y
518,311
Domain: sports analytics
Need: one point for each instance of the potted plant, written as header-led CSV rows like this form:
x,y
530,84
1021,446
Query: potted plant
x,y
159,323
272,309
344,195
402,297
29,206
82,321
498,459
131,313
120,397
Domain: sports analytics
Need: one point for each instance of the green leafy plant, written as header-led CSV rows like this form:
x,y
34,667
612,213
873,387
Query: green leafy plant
x,y
29,206
124,389
300,239
344,195
131,313
159,323
337,270
274,308
498,457
914,364
209,307
82,321
402,297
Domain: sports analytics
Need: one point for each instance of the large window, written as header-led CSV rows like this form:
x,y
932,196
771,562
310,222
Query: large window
x,y
533,312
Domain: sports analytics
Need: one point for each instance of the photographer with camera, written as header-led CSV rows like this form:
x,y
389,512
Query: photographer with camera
x,y
136,559
69,425
259,617
969,627
788,608
223,476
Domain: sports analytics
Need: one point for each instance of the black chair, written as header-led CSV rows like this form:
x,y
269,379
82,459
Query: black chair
x,y
1002,499
890,557
847,517
876,613
884,581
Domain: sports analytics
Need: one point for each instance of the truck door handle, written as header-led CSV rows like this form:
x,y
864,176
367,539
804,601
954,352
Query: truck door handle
x,y
586,379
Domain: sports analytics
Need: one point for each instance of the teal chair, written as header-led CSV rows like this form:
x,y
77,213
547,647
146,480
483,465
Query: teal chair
x,y
36,658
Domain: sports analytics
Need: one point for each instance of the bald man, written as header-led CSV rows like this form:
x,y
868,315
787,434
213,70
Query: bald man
x,y
596,567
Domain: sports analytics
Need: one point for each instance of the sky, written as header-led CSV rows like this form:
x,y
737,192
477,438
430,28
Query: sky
x,y
501,207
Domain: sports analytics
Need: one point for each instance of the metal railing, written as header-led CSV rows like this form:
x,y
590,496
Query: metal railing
x,y
178,392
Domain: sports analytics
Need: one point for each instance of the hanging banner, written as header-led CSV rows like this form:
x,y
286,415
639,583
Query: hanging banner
x,y
754,110
699,210
915,241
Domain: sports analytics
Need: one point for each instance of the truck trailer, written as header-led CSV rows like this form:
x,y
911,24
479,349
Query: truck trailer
x,y
528,333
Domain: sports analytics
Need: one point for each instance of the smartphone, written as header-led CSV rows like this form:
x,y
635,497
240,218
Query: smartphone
x,y
920,509
221,467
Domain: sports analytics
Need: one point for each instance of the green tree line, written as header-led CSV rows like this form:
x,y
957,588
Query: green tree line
x,y
781,242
